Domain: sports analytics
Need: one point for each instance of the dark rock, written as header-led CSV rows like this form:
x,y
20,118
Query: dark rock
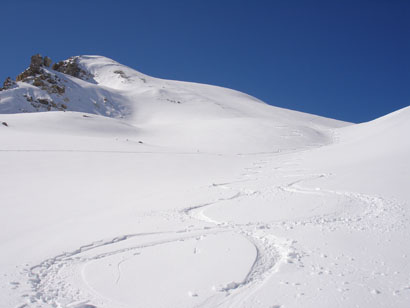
x,y
8,84
36,63
71,67
28,97
42,80
38,82
23,75
5,124
121,73
57,89
57,65
47,61
51,80
43,101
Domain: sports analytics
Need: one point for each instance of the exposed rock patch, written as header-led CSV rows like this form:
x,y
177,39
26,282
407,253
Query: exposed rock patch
x,y
39,75
35,67
36,63
47,82
121,73
50,87
71,67
8,84
47,61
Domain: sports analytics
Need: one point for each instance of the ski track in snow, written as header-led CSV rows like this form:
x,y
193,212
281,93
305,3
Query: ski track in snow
x,y
273,251
49,283
275,205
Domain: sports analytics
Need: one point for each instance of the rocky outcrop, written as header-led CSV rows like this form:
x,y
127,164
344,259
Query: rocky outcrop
x,y
47,61
8,84
38,75
71,67
35,67
36,63
53,85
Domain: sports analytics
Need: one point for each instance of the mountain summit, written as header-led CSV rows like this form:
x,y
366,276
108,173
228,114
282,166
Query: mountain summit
x,y
168,113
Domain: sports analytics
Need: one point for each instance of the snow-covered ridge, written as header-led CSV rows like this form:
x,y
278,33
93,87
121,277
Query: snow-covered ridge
x,y
58,88
189,116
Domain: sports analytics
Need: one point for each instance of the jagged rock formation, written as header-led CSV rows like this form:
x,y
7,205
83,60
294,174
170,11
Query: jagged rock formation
x,y
45,86
36,63
47,61
72,68
36,75
8,84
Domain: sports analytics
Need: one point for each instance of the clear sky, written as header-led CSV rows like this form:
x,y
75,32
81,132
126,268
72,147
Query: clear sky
x,y
344,59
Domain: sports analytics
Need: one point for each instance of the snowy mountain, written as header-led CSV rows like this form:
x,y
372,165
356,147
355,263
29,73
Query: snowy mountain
x,y
118,189
168,113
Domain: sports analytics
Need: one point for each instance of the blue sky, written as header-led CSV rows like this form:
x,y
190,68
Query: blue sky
x,y
348,60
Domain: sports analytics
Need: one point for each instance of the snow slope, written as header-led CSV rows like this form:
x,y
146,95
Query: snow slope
x,y
182,115
216,201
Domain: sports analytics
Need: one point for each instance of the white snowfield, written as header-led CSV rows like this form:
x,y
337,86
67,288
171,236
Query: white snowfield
x,y
175,194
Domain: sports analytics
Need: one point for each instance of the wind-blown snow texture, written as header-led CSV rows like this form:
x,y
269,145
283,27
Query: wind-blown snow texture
x,y
157,193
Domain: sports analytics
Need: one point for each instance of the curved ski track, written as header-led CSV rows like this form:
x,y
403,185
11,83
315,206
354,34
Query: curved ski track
x,y
49,280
